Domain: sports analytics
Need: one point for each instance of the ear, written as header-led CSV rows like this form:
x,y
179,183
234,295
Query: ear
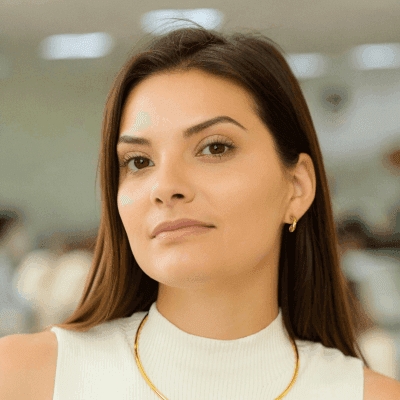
x,y
303,179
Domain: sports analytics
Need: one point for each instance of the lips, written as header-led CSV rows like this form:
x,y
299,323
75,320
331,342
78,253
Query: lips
x,y
179,223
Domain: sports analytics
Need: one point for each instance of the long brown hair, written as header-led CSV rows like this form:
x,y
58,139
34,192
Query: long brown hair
x,y
317,303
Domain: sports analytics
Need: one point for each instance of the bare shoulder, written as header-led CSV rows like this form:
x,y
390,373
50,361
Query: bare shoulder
x,y
378,386
28,365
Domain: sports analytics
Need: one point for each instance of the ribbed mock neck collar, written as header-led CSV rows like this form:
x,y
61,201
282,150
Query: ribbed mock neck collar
x,y
182,354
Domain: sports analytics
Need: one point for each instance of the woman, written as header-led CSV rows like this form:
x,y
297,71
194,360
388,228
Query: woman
x,y
250,303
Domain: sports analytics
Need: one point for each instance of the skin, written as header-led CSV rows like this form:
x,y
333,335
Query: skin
x,y
222,284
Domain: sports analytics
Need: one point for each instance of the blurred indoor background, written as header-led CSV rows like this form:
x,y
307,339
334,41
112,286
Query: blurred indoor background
x,y
57,63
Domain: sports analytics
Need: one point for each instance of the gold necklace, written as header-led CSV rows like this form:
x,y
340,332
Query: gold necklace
x,y
139,364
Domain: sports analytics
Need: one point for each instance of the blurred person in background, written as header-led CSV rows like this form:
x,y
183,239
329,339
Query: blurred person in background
x,y
380,347
66,280
52,277
16,314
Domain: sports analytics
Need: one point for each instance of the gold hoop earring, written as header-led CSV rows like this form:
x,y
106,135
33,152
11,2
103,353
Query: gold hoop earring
x,y
293,226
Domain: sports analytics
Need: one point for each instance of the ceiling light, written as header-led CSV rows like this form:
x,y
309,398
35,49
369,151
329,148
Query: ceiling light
x,y
153,21
307,65
375,56
73,46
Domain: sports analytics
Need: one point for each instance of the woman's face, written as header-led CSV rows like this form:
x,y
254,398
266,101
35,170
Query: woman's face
x,y
241,191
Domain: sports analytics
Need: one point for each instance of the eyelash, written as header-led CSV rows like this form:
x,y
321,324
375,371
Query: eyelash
x,y
211,142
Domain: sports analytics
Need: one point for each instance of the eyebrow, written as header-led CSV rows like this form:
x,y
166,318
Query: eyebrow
x,y
187,133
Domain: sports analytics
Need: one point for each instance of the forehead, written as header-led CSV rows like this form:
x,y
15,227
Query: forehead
x,y
185,98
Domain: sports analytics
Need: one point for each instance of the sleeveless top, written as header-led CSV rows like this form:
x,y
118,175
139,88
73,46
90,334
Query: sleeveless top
x,y
100,364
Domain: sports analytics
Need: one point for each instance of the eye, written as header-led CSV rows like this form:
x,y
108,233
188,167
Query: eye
x,y
215,145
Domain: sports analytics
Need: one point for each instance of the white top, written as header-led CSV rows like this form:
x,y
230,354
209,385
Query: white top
x,y
100,364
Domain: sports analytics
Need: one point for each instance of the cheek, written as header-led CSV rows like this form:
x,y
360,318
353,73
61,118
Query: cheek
x,y
128,195
253,193
127,203
252,204
124,200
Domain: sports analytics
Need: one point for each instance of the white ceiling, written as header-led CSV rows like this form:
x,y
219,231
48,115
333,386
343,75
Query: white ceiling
x,y
331,27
